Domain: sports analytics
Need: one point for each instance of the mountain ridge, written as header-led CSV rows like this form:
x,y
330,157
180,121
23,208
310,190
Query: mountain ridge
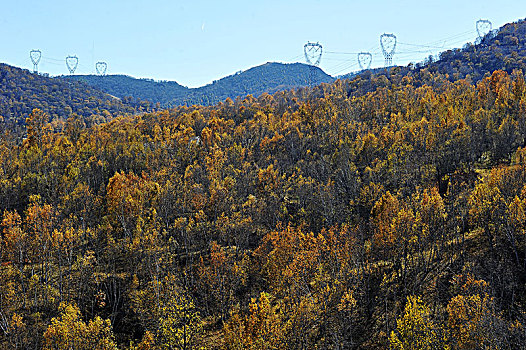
x,y
269,77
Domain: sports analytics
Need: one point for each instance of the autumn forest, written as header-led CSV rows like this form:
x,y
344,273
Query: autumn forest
x,y
386,211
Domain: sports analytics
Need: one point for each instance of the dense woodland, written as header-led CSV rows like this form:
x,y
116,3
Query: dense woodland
x,y
372,214
22,91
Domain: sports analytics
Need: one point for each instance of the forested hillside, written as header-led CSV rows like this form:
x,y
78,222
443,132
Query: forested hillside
x,y
22,91
267,78
374,213
163,92
503,49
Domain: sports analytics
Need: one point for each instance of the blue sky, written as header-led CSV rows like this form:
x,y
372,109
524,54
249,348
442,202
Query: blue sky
x,y
196,42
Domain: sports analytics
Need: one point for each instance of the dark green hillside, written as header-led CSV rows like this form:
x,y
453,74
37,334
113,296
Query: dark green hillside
x,y
269,78
21,91
146,89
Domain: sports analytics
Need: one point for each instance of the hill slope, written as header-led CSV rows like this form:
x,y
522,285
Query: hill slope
x,y
122,86
21,91
502,49
269,77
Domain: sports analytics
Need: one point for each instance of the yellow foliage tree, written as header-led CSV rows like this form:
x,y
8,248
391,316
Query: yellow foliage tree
x,y
69,331
180,324
415,329
262,329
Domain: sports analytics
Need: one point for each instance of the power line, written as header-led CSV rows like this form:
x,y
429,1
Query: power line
x,y
417,45
342,53
52,59
313,52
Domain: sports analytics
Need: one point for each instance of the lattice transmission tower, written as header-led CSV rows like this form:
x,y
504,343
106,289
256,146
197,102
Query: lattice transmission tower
x,y
364,60
388,44
101,68
72,63
313,52
35,56
483,26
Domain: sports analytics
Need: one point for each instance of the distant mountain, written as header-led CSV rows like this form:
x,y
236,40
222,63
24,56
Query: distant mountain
x,y
21,91
122,86
269,78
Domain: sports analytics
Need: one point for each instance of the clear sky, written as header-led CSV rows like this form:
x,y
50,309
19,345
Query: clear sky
x,y
195,42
